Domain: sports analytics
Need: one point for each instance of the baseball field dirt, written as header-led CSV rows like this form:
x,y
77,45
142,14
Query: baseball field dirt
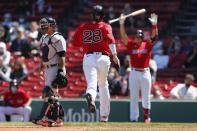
x,y
101,127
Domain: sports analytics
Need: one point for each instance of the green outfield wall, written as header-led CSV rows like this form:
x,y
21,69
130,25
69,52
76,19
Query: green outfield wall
x,y
162,111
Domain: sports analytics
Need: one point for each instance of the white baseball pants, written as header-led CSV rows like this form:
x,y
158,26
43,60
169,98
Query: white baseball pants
x,y
7,110
139,81
96,68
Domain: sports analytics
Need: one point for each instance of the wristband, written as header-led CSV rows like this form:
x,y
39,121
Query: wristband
x,y
113,48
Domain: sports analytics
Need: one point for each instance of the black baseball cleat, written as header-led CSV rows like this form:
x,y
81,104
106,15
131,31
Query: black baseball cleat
x,y
34,121
103,118
42,122
90,103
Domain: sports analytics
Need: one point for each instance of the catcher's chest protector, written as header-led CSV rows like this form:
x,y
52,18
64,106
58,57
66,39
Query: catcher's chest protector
x,y
47,47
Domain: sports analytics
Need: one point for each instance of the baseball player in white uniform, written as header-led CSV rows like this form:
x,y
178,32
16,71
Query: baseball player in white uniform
x,y
53,48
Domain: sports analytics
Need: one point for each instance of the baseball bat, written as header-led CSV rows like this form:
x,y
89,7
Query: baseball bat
x,y
135,13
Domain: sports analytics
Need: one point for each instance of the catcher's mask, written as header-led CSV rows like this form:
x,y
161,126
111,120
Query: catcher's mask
x,y
98,13
45,23
140,34
13,86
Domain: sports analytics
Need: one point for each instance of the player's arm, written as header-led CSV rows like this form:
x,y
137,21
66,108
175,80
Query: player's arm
x,y
123,33
28,102
60,46
112,46
154,31
62,62
6,98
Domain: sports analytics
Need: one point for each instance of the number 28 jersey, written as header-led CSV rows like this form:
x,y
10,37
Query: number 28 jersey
x,y
94,37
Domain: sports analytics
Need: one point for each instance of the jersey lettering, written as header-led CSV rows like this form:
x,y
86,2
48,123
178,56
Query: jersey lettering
x,y
143,51
92,36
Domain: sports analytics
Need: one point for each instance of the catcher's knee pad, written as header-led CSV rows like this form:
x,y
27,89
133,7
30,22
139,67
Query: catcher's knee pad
x,y
47,92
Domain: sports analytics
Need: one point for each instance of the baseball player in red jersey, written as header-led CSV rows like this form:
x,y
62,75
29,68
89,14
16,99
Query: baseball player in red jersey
x,y
16,102
140,78
98,43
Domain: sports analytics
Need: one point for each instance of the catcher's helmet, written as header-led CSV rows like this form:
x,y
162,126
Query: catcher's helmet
x,y
140,33
45,23
98,11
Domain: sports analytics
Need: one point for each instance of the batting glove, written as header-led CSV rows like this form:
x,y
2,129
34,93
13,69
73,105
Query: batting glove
x,y
122,19
153,19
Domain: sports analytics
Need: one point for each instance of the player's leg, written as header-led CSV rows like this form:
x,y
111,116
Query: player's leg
x,y
103,64
26,112
134,95
55,112
42,118
3,112
9,110
90,74
146,90
50,75
53,100
91,79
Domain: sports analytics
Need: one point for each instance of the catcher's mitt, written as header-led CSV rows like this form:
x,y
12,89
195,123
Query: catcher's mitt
x,y
60,81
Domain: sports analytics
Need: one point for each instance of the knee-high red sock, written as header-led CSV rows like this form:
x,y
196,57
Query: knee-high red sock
x,y
146,112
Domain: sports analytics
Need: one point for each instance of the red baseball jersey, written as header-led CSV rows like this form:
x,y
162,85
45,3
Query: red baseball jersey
x,y
94,37
140,54
16,100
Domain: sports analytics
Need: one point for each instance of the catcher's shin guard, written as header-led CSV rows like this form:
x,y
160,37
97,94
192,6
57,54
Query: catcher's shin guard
x,y
43,110
57,111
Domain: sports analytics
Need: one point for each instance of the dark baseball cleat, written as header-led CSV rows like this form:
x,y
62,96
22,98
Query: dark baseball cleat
x,y
133,121
34,121
90,103
42,122
103,118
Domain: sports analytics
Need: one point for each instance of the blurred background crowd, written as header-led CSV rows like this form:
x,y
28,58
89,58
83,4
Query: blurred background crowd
x,y
174,59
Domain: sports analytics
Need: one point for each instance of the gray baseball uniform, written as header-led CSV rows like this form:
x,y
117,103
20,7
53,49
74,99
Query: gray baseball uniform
x,y
50,45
